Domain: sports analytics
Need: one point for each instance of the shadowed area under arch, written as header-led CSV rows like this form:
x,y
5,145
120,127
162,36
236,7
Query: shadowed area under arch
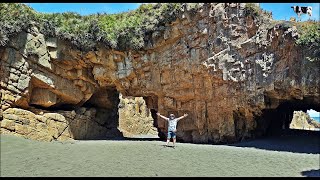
x,y
311,173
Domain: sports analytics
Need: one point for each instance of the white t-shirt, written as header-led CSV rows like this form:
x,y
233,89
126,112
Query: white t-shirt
x,y
172,124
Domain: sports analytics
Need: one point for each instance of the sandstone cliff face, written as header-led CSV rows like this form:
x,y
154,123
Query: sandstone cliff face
x,y
56,125
231,72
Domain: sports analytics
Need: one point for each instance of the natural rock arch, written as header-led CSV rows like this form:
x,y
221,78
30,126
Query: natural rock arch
x,y
225,70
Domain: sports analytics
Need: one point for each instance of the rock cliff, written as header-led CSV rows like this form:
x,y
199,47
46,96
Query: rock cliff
x,y
235,73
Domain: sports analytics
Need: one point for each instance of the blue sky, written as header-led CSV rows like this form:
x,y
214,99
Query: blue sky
x,y
280,11
283,11
84,8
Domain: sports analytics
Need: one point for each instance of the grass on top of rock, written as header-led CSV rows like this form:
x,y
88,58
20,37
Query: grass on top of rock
x,y
251,9
309,38
310,33
125,30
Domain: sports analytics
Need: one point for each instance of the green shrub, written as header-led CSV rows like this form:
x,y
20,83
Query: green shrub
x,y
13,19
309,34
252,9
125,30
309,38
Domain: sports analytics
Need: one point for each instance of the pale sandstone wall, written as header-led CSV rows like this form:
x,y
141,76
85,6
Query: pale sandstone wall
x,y
135,118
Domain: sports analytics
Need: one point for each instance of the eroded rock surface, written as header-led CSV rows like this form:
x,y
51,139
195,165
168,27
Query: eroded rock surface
x,y
57,125
222,67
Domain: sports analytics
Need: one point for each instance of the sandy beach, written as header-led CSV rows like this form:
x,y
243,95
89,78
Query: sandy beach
x,y
285,156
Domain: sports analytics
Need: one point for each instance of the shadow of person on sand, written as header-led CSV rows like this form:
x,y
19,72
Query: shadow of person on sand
x,y
295,144
311,173
168,146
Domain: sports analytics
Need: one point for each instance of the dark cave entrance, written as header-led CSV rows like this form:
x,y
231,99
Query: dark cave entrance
x,y
107,106
276,122
273,130
161,134
104,124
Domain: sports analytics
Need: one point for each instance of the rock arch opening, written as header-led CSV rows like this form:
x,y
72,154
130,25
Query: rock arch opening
x,y
274,128
288,118
136,120
98,116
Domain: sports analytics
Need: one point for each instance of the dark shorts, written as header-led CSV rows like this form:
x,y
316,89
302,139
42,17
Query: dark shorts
x,y
171,134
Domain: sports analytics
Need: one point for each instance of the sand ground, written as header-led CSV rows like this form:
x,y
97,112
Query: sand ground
x,y
149,157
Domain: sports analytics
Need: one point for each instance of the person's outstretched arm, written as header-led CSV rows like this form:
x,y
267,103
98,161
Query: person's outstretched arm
x,y
163,116
179,118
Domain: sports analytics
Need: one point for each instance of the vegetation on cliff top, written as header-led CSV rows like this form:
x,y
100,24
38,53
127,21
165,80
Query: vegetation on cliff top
x,y
251,9
119,31
310,38
127,30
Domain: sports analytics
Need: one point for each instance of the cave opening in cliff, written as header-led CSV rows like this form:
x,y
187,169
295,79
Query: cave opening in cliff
x,y
124,117
104,107
289,118
136,119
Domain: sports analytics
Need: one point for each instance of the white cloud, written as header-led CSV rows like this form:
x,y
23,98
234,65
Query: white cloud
x,y
313,113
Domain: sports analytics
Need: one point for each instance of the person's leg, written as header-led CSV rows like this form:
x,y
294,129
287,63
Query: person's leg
x,y
174,138
168,138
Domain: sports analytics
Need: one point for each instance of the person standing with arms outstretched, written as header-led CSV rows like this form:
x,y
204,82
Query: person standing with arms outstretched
x,y
172,126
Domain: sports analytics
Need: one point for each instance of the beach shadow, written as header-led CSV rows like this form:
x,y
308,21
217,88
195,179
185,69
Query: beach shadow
x,y
311,173
125,139
165,146
141,139
309,144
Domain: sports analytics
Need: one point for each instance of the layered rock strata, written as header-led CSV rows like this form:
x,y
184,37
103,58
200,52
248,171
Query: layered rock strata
x,y
230,71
